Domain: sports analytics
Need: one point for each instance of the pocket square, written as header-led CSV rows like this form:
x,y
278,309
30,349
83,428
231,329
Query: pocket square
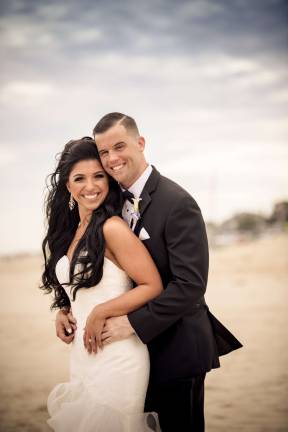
x,y
143,235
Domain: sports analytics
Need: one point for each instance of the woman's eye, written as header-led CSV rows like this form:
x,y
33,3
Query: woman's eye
x,y
78,179
99,176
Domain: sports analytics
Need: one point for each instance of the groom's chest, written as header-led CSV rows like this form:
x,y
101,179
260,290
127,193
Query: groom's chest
x,y
147,225
150,228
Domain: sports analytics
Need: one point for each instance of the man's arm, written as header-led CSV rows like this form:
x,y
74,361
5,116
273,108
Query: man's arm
x,y
131,256
187,247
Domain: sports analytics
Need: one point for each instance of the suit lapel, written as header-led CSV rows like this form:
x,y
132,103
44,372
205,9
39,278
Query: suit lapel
x,y
145,196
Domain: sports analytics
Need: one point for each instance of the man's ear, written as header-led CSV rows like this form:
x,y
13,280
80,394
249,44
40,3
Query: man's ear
x,y
141,142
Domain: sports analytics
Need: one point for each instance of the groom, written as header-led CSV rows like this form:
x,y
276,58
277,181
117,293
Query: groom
x,y
184,339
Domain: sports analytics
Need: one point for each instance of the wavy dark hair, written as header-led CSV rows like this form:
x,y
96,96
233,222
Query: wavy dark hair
x,y
62,224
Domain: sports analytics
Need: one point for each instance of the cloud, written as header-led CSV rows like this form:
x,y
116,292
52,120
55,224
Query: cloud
x,y
15,90
20,32
50,11
159,27
205,80
7,156
238,157
207,101
86,36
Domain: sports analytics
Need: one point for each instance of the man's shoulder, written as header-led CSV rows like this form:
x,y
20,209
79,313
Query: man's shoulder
x,y
172,191
167,183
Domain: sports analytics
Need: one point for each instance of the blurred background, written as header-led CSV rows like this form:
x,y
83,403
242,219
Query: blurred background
x,y
207,84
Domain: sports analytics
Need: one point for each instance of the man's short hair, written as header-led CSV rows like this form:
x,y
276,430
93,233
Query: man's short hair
x,y
111,119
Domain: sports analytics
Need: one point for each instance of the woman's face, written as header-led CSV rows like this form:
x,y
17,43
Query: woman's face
x,y
88,184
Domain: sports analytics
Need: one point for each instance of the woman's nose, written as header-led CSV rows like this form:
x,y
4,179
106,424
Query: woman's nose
x,y
90,184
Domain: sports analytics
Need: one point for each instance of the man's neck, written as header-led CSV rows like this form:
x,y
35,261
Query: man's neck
x,y
139,174
138,185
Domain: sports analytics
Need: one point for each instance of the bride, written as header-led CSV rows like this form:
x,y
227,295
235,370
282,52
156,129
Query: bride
x,y
91,257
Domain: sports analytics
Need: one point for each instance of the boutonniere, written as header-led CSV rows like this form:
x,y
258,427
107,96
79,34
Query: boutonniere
x,y
136,211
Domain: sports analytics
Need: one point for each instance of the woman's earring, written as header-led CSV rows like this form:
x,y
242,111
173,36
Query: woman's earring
x,y
71,202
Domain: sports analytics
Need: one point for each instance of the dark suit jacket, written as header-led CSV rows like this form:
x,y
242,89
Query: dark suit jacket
x,y
184,339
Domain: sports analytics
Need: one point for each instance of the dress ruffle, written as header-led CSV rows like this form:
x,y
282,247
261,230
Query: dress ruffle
x,y
73,408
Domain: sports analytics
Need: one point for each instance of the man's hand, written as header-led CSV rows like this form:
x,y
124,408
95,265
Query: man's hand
x,y
65,325
116,328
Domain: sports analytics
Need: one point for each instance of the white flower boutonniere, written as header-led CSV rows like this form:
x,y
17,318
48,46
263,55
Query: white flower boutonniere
x,y
136,202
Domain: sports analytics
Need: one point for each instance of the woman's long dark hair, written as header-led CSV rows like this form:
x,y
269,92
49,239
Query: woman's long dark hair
x,y
62,224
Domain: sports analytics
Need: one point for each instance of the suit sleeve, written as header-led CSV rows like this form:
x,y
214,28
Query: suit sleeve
x,y
187,247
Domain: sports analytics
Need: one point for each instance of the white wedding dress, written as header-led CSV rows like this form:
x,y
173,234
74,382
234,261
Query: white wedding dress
x,y
106,391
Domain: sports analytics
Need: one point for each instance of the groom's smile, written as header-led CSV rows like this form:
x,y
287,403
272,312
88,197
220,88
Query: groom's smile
x,y
117,167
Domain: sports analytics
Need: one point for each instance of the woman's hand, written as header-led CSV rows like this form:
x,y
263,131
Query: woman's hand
x,y
93,329
65,325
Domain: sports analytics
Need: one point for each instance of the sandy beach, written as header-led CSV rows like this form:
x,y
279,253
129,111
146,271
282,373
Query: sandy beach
x,y
247,291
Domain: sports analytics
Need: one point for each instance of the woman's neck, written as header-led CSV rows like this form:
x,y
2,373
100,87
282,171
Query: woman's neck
x,y
85,218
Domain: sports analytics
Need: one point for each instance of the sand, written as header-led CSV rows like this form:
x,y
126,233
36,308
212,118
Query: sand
x,y
247,291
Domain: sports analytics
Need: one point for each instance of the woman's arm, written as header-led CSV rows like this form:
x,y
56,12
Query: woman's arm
x,y
132,256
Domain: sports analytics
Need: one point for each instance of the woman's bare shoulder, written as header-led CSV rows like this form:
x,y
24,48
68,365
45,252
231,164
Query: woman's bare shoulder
x,y
115,227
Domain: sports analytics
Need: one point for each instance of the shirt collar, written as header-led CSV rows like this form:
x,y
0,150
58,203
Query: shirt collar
x,y
139,184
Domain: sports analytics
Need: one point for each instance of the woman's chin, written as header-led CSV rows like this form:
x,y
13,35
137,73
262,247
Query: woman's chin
x,y
92,206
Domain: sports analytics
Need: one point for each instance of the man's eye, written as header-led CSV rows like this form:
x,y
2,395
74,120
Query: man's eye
x,y
119,147
103,153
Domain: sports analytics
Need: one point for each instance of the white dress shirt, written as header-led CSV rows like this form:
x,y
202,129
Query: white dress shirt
x,y
136,189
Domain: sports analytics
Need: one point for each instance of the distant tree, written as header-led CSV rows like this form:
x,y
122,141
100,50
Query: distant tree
x,y
280,213
246,223
250,222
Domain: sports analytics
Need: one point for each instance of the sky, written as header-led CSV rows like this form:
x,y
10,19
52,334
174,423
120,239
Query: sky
x,y
205,80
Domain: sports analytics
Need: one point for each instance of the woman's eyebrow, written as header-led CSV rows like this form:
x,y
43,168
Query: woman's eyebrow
x,y
96,172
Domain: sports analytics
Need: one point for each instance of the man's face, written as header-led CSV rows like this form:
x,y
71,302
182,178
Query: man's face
x,y
121,153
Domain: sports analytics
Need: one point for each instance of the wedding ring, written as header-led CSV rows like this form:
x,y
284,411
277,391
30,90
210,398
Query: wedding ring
x,y
89,340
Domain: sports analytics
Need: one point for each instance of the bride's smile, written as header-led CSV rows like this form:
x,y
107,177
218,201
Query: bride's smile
x,y
88,185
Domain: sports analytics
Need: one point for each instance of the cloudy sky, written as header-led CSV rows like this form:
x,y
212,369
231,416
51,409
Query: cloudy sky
x,y
206,81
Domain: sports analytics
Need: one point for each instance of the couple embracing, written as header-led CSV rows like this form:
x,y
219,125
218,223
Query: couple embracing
x,y
126,257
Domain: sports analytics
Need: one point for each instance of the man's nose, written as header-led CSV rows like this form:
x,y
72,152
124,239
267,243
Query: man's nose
x,y
113,156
